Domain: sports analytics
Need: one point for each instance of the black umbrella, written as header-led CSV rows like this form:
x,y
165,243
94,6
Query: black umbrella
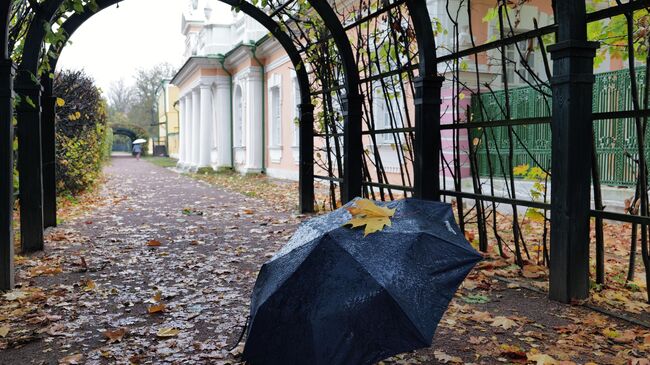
x,y
332,296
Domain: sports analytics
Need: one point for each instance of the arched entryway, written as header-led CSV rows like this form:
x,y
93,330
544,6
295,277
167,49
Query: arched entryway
x,y
347,83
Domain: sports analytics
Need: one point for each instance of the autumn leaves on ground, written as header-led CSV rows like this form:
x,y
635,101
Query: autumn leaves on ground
x,y
158,267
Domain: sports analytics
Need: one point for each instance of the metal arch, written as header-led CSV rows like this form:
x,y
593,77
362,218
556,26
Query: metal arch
x,y
30,164
35,36
306,180
428,88
125,132
5,17
424,35
352,104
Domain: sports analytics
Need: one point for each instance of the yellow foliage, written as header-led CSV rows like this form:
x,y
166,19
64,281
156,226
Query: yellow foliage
x,y
373,217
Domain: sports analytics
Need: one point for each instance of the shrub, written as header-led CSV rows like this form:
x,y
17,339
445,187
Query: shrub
x,y
82,136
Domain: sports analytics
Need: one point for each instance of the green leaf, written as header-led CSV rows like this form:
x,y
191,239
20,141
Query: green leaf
x,y
476,299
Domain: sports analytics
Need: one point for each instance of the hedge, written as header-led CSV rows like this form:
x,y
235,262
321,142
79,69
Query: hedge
x,y
83,139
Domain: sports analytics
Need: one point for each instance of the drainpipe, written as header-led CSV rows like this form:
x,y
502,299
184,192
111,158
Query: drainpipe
x,y
222,60
166,120
253,49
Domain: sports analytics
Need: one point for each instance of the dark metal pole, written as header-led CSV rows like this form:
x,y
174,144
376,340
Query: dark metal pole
x,y
572,84
351,104
48,143
426,169
428,90
7,73
352,148
306,177
30,163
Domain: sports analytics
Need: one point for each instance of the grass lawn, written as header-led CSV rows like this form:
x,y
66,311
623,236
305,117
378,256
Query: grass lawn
x,y
161,161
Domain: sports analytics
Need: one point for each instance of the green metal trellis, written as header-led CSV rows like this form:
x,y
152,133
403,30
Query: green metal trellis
x,y
615,138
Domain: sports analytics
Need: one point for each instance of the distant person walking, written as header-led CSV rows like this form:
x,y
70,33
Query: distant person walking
x,y
137,149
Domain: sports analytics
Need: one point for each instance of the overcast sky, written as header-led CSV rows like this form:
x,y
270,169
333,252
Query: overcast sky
x,y
116,42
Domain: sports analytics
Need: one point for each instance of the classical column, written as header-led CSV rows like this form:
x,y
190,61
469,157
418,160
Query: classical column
x,y
187,126
255,142
196,125
224,127
181,132
205,139
188,130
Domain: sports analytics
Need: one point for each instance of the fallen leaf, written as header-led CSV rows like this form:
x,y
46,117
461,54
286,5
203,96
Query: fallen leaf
x,y
479,316
89,285
534,271
4,330
512,352
542,359
446,359
156,308
366,213
115,335
503,322
626,337
72,360
167,332
373,224
15,295
153,243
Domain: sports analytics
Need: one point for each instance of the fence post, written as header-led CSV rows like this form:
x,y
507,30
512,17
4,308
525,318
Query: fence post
x,y
352,148
30,167
306,158
49,159
426,169
572,85
7,73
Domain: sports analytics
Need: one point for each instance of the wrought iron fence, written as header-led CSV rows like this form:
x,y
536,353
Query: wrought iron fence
x,y
615,139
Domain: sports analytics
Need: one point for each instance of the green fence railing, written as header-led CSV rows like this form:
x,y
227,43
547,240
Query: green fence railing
x,y
616,140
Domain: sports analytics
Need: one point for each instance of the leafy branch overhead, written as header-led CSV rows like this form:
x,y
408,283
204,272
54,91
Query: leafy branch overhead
x,y
373,217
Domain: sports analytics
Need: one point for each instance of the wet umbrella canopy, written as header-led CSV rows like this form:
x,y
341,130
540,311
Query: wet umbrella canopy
x,y
332,296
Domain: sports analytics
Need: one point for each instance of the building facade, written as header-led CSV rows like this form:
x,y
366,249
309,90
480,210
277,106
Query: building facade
x,y
238,95
168,118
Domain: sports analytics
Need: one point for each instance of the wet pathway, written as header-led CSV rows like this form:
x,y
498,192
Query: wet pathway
x,y
161,269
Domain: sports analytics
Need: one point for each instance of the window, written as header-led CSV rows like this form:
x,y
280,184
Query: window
x,y
522,61
276,120
387,111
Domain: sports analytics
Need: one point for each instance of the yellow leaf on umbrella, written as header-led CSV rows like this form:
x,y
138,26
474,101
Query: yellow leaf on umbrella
x,y
368,208
60,102
373,217
156,308
4,330
167,332
373,224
